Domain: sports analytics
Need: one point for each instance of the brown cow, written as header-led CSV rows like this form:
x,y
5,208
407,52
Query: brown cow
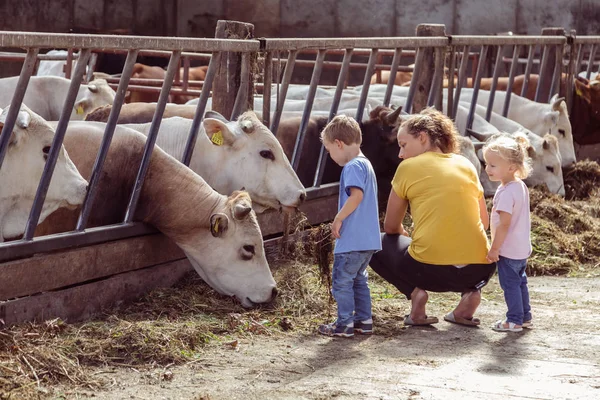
x,y
149,72
140,113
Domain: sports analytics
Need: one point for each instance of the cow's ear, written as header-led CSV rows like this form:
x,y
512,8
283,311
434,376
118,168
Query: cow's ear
x,y
218,224
552,117
217,132
93,88
81,107
531,152
582,90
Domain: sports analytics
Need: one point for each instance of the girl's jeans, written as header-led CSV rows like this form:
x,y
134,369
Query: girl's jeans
x,y
349,286
513,281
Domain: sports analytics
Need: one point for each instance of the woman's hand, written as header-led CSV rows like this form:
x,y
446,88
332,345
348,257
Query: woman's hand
x,y
493,255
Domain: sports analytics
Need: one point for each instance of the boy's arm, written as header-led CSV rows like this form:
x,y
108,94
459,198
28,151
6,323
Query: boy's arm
x,y
356,196
394,215
483,213
499,236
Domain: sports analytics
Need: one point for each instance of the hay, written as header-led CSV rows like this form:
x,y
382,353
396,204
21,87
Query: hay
x,y
582,180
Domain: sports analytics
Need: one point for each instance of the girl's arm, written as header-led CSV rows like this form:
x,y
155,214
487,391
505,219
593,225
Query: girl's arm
x,y
483,213
499,236
356,196
394,215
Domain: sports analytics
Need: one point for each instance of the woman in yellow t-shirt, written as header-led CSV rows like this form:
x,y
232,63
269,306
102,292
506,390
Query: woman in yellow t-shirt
x,y
447,252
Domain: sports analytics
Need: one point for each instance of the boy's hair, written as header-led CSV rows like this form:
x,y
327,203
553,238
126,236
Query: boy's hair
x,y
440,129
512,148
343,128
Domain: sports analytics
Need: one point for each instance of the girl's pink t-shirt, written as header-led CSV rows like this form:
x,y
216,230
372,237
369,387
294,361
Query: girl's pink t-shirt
x,y
513,198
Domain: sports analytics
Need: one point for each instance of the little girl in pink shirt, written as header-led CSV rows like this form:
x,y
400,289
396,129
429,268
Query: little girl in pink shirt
x,y
507,162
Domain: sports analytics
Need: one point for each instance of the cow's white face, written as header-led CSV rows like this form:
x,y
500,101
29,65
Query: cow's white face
x,y
230,256
546,160
20,174
252,158
561,129
97,93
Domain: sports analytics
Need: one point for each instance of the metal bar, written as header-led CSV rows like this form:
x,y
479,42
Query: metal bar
x,y
43,244
287,77
543,66
153,133
392,78
242,94
557,74
215,61
462,74
579,59
438,77
59,136
588,72
91,67
506,40
17,100
511,80
476,86
413,82
268,79
488,112
451,81
114,42
69,64
186,72
527,75
344,43
314,81
334,108
366,84
109,131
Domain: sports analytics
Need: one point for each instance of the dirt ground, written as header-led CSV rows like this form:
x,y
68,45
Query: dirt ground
x,y
558,359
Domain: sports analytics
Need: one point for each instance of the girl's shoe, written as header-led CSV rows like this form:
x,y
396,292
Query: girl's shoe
x,y
334,330
499,326
527,324
363,328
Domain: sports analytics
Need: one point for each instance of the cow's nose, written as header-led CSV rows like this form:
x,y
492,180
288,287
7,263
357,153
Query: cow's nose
x,y
302,197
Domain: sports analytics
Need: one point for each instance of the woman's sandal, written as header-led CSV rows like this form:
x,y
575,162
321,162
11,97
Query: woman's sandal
x,y
420,322
499,326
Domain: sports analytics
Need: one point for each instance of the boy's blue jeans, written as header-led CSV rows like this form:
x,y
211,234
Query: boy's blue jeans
x,y
349,286
513,281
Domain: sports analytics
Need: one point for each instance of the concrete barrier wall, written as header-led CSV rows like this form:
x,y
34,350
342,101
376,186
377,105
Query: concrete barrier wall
x,y
300,18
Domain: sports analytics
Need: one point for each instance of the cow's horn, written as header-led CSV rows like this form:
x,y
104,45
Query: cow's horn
x,y
392,116
556,104
241,211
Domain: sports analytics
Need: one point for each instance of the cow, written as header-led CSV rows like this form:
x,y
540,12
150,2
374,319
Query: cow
x,y
55,67
45,95
247,155
142,71
585,113
219,234
20,173
402,78
139,113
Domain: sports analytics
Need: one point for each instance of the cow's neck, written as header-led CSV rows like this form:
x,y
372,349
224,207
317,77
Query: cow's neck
x,y
176,200
208,162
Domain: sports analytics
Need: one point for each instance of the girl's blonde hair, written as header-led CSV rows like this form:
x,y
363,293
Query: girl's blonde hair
x,y
512,148
441,130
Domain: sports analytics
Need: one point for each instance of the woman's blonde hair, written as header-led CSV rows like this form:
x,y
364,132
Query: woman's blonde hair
x,y
512,148
441,130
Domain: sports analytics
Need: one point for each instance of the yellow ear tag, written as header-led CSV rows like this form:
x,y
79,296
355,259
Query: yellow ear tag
x,y
217,138
578,91
216,228
79,109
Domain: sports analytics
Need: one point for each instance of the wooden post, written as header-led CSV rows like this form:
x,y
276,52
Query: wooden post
x,y
425,71
547,70
228,76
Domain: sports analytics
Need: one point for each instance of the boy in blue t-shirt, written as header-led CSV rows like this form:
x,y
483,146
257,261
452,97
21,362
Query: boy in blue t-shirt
x,y
355,227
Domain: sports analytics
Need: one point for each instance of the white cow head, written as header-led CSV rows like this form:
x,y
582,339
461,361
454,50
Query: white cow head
x,y
97,93
21,171
247,155
547,168
230,256
562,130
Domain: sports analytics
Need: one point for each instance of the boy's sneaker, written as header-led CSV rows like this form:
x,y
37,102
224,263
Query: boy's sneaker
x,y
334,330
364,327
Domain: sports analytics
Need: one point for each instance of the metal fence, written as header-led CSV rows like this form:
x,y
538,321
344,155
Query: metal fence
x,y
435,58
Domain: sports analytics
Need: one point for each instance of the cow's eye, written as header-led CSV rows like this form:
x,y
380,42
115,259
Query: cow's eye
x,y
249,248
46,150
551,169
562,132
248,252
268,154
